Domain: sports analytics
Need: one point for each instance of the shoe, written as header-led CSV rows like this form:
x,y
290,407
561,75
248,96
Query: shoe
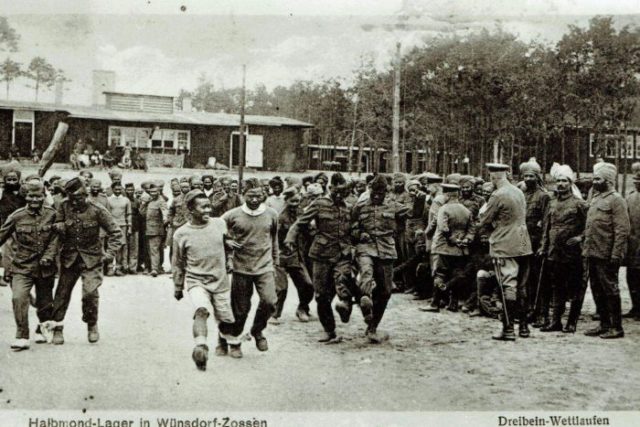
x,y
302,315
595,332
569,328
506,334
344,309
154,273
109,273
39,338
430,308
595,316
58,337
612,333
92,333
464,309
409,291
552,327
631,314
453,306
261,342
366,305
200,355
222,349
419,297
274,321
328,336
235,351
375,337
540,322
475,313
120,273
20,344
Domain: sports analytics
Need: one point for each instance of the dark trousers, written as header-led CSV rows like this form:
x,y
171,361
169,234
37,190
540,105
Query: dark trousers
x,y
331,279
91,281
301,281
156,248
376,280
452,275
568,283
241,292
21,285
603,277
535,264
633,281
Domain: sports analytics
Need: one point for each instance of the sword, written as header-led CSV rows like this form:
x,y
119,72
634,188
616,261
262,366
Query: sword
x,y
536,301
496,267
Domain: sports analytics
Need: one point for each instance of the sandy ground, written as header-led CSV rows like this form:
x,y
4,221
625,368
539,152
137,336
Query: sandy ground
x,y
443,361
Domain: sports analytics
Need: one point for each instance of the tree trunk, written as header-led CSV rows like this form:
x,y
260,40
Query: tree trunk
x,y
360,151
562,145
617,158
626,162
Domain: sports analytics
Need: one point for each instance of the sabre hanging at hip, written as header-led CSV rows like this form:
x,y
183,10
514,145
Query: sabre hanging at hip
x,y
540,276
496,267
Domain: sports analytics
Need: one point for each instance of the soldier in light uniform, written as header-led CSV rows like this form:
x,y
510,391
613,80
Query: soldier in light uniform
x,y
81,255
510,248
375,222
604,248
454,231
633,252
562,233
33,262
331,253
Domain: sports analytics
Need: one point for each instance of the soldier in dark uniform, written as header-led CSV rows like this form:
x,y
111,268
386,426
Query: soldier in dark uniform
x,y
510,248
562,233
537,200
454,231
414,235
604,247
633,253
11,200
33,262
81,255
292,262
375,222
133,237
331,253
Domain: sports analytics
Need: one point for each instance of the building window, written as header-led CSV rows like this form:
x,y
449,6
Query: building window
x,y
609,143
160,140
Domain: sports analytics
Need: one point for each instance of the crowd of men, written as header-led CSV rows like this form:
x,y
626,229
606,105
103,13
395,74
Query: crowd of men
x,y
518,251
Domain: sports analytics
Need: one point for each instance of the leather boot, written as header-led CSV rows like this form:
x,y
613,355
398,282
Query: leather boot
x,y
615,314
507,333
556,323
574,315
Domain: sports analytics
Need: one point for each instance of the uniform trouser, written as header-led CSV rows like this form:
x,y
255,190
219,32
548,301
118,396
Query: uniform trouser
x,y
567,284
535,265
633,281
21,285
451,274
411,264
401,247
513,275
331,279
603,277
376,280
7,256
301,281
91,281
122,255
241,291
132,243
155,247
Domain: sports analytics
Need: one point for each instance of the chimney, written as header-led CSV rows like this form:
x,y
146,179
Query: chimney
x,y
186,104
103,81
59,91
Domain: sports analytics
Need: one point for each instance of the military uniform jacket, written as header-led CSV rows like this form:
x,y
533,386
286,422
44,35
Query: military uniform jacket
x,y
293,258
333,229
473,203
9,203
416,222
565,218
81,231
537,202
156,216
453,223
178,213
380,222
34,239
607,228
633,252
505,212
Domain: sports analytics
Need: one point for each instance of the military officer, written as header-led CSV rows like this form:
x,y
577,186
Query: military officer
x,y
510,248
633,252
81,255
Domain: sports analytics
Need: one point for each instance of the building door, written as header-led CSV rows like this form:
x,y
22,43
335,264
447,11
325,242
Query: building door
x,y
253,154
23,137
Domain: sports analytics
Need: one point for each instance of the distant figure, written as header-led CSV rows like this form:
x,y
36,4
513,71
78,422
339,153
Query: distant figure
x,y
35,155
108,160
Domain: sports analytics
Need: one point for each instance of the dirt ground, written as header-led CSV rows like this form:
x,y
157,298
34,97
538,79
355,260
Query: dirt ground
x,y
432,362
443,361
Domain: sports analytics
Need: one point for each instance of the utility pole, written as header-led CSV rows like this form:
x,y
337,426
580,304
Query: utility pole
x,y
241,140
395,155
353,134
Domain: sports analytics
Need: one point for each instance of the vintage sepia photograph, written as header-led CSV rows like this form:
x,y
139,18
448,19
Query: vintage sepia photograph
x,y
252,213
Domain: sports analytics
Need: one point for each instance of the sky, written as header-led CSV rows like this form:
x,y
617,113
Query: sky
x,y
160,47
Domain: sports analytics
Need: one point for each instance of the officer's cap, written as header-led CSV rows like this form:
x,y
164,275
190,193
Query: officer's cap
x,y
450,188
432,178
497,167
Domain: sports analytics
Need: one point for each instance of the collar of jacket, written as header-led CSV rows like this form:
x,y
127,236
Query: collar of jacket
x,y
256,212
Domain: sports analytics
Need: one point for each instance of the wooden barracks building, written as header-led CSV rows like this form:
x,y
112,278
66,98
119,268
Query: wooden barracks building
x,y
152,125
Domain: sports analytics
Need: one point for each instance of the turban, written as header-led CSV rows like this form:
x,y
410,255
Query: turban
x,y
158,183
488,187
466,179
453,178
606,171
95,181
292,181
115,173
530,167
314,189
562,171
635,170
399,175
412,183
34,185
194,178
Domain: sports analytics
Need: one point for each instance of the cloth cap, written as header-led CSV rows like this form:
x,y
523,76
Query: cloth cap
x,y
188,198
73,185
314,189
379,183
146,185
412,183
158,183
322,176
115,173
606,171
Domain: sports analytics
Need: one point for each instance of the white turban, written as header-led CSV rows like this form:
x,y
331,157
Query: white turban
x,y
564,171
